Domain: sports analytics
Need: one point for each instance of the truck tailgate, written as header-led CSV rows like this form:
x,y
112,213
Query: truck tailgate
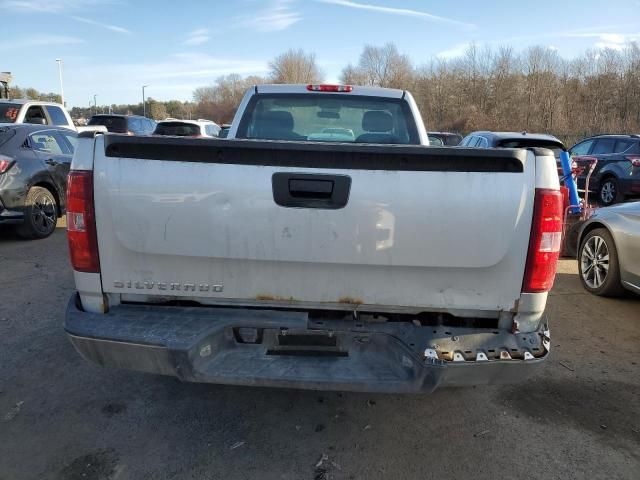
x,y
328,225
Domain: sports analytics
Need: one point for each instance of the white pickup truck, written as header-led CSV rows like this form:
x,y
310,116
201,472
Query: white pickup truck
x,y
313,249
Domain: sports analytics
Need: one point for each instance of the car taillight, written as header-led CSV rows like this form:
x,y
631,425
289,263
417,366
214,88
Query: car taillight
x,y
634,159
545,241
5,163
81,222
329,88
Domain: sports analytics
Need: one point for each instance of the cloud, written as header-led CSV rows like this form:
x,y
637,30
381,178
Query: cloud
x,y
613,41
197,37
50,6
398,11
39,40
278,16
455,51
113,28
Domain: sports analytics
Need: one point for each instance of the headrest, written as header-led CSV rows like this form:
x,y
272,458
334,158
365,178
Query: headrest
x,y
279,119
377,121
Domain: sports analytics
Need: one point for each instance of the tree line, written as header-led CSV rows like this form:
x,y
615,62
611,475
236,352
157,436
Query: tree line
x,y
485,88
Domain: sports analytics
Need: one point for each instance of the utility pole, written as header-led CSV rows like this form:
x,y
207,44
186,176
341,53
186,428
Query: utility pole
x,y
59,61
144,104
95,102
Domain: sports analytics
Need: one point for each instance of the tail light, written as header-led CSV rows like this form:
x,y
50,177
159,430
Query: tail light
x,y
5,163
545,241
81,222
330,88
634,159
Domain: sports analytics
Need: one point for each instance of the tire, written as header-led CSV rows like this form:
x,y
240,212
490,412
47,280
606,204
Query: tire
x,y
40,215
608,192
598,264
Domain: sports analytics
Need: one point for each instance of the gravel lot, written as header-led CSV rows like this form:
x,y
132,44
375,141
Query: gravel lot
x,y
62,418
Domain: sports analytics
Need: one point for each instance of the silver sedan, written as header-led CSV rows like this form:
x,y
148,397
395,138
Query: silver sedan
x,y
609,250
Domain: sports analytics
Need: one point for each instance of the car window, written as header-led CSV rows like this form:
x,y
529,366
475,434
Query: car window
x,y
360,119
482,143
71,138
34,113
212,130
135,125
582,148
57,115
435,141
467,140
622,146
9,112
112,123
49,142
180,129
603,146
149,126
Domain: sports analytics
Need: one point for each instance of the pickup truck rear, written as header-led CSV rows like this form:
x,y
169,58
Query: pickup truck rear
x,y
312,264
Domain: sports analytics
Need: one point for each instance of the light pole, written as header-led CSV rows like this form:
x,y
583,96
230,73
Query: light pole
x,y
144,103
59,61
95,102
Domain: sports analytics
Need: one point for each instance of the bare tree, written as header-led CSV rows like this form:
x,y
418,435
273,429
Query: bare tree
x,y
295,66
381,66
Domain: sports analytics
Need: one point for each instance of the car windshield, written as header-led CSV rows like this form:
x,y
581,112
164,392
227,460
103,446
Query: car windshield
x,y
114,124
9,112
179,129
328,118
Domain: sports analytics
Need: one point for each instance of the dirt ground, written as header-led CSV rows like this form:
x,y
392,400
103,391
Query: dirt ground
x,y
62,418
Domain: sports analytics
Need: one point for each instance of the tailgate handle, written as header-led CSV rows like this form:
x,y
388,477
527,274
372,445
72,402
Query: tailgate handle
x,y
307,190
310,188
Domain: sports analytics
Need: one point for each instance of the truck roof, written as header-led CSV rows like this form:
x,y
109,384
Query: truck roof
x,y
357,90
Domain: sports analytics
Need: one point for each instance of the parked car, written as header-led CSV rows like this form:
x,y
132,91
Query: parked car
x,y
446,138
485,139
617,172
34,162
129,124
187,128
35,112
609,250
270,260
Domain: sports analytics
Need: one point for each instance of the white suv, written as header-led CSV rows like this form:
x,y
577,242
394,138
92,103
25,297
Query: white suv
x,y
187,128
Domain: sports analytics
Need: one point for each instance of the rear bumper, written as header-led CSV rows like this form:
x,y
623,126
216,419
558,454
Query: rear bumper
x,y
203,345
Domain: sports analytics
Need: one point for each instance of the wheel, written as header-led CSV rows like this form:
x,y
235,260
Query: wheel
x,y
40,215
598,264
608,192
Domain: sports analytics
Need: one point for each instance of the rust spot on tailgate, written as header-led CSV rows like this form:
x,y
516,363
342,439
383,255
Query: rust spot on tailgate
x,y
350,300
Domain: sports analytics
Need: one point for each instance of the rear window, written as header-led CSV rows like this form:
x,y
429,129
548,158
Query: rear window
x,y
57,115
328,118
9,112
603,146
113,124
555,147
178,129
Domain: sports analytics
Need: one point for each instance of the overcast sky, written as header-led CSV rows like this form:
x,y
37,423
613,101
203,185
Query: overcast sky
x,y
113,47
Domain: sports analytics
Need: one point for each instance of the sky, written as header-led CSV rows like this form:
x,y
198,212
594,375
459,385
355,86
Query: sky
x,y
110,48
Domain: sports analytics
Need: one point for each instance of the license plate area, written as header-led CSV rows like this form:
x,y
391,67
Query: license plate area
x,y
304,343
